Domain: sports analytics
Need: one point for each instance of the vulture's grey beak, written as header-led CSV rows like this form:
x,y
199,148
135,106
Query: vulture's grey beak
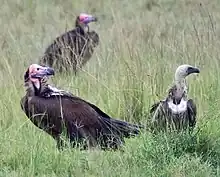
x,y
89,19
45,71
49,71
191,70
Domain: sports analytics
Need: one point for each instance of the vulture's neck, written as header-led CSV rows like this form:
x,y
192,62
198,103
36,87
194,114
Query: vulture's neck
x,y
178,91
31,89
35,90
82,28
181,86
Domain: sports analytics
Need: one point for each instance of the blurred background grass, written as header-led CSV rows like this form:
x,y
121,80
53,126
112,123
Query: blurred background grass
x,y
142,43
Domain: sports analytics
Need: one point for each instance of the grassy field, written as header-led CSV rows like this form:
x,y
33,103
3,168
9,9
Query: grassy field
x,y
142,43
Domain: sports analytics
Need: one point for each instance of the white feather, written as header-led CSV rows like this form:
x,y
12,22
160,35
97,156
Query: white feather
x,y
55,90
176,109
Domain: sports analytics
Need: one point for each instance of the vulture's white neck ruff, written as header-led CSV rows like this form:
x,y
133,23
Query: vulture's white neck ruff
x,y
176,109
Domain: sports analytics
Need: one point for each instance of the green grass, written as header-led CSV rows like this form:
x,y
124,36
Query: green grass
x,y
142,43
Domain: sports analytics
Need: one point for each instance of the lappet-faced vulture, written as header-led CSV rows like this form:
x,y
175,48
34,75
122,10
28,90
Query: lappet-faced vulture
x,y
176,112
73,49
56,111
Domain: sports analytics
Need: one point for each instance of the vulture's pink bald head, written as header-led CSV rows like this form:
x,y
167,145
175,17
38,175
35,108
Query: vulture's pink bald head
x,y
86,18
36,72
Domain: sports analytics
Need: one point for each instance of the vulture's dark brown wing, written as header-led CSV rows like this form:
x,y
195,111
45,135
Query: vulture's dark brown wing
x,y
50,91
36,113
24,106
154,107
65,41
158,113
64,49
80,119
98,110
22,101
94,37
69,109
47,92
192,112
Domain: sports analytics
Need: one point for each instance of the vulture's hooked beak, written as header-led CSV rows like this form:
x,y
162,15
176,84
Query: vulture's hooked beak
x,y
191,70
44,71
89,19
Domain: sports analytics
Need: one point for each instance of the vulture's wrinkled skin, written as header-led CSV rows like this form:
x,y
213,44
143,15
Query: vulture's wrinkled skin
x,y
56,111
176,112
73,49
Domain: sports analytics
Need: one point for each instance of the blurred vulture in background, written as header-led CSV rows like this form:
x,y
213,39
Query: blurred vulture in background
x,y
73,49
177,112
57,111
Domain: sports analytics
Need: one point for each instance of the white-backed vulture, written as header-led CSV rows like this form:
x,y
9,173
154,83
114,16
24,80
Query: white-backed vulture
x,y
55,110
73,49
176,112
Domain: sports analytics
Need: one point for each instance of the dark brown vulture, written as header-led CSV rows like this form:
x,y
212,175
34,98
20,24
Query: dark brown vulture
x,y
57,111
177,112
73,49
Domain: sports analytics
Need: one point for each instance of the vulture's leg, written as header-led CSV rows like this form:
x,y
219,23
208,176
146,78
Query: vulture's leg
x,y
92,138
76,135
75,72
117,142
59,140
60,143
89,137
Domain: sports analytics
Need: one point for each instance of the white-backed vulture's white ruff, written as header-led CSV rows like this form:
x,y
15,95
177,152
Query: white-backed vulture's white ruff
x,y
178,108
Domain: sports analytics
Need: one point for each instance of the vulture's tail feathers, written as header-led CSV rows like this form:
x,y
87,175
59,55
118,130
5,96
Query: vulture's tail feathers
x,y
122,128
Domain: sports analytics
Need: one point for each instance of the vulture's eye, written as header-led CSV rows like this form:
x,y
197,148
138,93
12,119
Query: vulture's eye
x,y
38,69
